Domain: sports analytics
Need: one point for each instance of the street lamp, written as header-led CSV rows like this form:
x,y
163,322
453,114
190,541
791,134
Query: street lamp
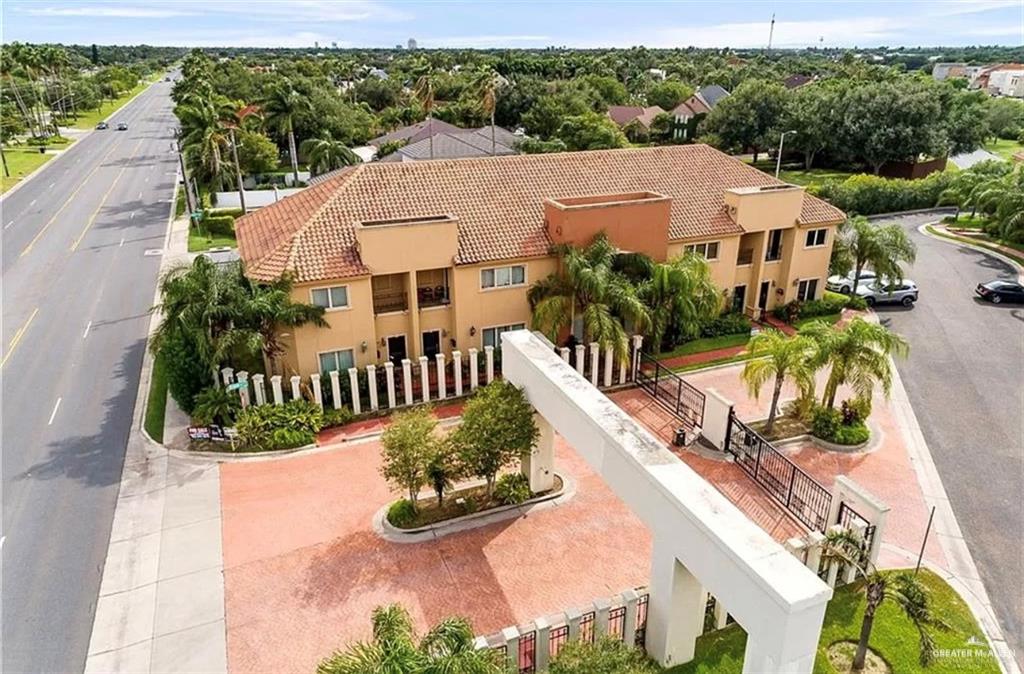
x,y
778,157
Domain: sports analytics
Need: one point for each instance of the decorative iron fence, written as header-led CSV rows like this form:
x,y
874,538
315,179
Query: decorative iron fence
x,y
670,391
528,653
800,494
641,620
851,520
587,627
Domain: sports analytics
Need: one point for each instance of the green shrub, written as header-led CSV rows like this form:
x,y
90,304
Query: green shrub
x,y
257,426
605,656
842,427
290,438
727,324
221,212
825,422
512,489
186,372
867,194
337,417
851,435
856,302
219,225
216,405
402,513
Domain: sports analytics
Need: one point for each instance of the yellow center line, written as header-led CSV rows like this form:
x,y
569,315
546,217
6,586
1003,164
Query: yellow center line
x,y
17,336
92,218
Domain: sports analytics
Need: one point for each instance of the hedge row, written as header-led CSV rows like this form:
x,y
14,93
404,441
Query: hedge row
x,y
868,195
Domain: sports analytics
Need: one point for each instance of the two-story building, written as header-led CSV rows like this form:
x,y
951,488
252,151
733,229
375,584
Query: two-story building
x,y
412,259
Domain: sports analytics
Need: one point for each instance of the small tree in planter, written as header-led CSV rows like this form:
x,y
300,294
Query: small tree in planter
x,y
408,445
443,468
497,430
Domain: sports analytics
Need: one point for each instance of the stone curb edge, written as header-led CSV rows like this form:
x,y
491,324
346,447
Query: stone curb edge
x,y
957,240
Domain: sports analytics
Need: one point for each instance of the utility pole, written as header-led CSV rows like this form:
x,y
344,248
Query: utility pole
x,y
190,200
771,32
238,171
778,157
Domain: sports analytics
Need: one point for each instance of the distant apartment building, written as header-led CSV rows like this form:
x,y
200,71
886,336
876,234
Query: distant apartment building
x,y
412,259
1005,79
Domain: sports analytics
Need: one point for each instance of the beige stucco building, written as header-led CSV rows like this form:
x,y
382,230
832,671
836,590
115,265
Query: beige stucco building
x,y
419,258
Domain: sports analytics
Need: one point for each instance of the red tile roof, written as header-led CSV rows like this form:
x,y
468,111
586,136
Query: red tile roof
x,y
497,200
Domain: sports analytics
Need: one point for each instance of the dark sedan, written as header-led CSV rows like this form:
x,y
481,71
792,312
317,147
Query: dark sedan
x,y
1001,291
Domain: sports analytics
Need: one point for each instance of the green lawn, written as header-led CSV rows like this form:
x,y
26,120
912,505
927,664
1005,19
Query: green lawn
x,y
21,161
982,243
831,319
738,358
156,404
1004,148
90,118
893,637
966,222
813,176
197,243
706,344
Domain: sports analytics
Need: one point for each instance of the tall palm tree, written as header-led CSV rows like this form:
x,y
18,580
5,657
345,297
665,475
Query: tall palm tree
x,y
393,649
776,356
204,137
265,308
326,154
424,93
858,354
281,110
487,84
679,295
968,186
883,247
587,282
1003,200
899,587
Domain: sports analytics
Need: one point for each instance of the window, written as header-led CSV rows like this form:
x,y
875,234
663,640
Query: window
x,y
492,336
807,289
774,251
503,277
709,250
815,238
340,360
335,297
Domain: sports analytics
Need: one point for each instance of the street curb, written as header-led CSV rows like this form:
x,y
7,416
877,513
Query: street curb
x,y
962,573
956,240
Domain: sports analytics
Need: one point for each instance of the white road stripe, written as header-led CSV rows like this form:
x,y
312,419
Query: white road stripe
x,y
140,195
32,203
51,185
54,413
122,242
9,224
131,215
86,333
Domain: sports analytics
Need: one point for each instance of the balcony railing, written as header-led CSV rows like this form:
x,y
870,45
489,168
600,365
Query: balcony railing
x,y
746,256
432,296
384,303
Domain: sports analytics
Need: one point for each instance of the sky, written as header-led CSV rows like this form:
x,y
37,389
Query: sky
x,y
489,23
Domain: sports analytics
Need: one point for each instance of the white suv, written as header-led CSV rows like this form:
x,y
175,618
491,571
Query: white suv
x,y
844,284
899,292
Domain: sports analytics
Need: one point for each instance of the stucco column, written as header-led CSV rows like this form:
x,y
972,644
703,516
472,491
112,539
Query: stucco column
x,y
564,353
630,600
581,357
609,361
572,619
815,547
787,645
622,372
538,465
336,388
412,299
602,607
296,387
715,424
474,376
407,380
638,344
675,615
275,384
353,383
542,646
457,367
258,390
389,376
489,357
511,637
228,375
721,615
243,390
425,378
318,394
442,385
371,378
595,351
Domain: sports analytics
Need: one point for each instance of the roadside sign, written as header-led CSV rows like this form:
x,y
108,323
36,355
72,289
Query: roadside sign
x,y
197,214
237,385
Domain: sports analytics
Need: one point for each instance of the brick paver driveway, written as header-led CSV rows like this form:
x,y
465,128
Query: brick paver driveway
x,y
303,568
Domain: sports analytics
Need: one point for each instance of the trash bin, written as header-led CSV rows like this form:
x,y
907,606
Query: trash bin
x,y
42,149
680,438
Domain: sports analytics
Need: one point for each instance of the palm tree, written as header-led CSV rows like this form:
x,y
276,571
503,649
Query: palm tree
x,y
858,354
588,282
265,308
1003,199
883,247
968,185
424,93
487,84
448,647
326,154
900,587
679,295
203,137
282,108
774,355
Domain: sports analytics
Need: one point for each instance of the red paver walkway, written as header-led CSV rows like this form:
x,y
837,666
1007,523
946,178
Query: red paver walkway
x,y
365,427
703,356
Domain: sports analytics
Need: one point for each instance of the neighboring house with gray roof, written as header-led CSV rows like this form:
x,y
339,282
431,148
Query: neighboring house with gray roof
x,y
712,94
459,144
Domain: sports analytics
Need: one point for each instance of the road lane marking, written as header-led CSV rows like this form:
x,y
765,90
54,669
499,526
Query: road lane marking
x,y
132,216
53,413
122,243
17,336
86,333
140,196
9,224
92,218
71,198
51,185
33,202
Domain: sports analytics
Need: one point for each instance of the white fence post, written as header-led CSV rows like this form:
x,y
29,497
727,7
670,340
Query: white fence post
x,y
542,645
425,378
609,360
511,637
353,382
318,394
258,390
622,372
564,352
630,599
489,357
595,350
473,374
602,607
296,387
407,380
457,366
336,388
371,378
572,619
228,373
389,376
275,384
442,385
581,358
243,390
638,342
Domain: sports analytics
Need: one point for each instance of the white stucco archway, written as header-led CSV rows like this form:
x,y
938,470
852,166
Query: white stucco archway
x,y
702,542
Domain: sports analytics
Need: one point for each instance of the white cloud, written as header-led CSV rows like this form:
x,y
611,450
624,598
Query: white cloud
x,y
482,41
295,11
247,38
111,11
959,7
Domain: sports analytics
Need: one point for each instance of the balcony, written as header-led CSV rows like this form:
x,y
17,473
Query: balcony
x,y
389,294
432,288
745,257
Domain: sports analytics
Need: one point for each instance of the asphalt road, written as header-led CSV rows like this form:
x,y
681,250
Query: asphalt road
x,y
77,288
965,379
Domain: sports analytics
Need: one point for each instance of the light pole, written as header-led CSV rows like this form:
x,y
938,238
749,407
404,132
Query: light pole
x,y
778,157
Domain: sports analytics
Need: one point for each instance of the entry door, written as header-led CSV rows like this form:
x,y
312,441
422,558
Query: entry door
x,y
762,298
431,343
739,298
396,349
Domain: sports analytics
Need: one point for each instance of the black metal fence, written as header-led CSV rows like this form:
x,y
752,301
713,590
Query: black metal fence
x,y
850,520
670,391
799,493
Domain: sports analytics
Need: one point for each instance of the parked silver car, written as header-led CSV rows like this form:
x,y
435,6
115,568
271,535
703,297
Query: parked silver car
x,y
899,292
844,284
